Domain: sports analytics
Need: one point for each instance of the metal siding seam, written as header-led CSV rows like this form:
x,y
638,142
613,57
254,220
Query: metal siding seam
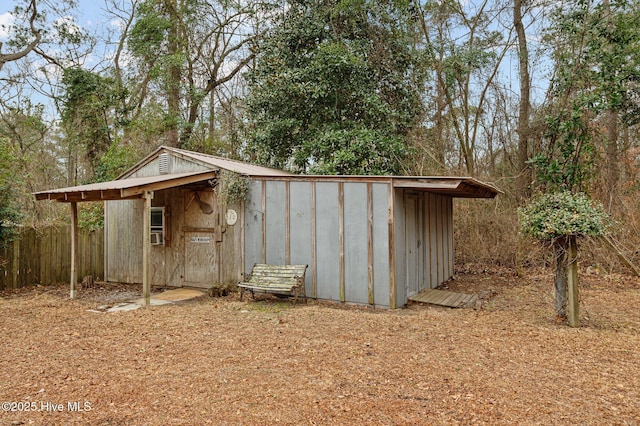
x,y
264,221
314,260
371,297
287,223
341,237
243,252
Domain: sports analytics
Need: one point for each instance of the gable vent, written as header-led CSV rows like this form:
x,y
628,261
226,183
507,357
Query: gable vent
x,y
163,163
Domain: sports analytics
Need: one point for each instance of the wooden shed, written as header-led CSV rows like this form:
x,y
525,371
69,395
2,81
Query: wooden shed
x,y
373,240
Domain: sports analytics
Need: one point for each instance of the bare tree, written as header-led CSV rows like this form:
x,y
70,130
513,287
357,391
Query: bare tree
x,y
466,54
524,171
36,33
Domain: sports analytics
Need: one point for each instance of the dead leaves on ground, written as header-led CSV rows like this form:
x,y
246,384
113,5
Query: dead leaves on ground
x,y
222,361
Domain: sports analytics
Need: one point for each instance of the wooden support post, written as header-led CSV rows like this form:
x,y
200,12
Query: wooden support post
x,y
74,249
146,248
573,299
393,295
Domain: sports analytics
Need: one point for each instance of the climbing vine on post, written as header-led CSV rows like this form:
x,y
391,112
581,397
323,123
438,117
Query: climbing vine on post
x,y
559,219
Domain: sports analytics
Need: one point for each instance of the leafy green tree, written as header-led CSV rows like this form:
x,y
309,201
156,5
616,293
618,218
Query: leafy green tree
x,y
90,114
9,211
595,46
559,219
464,46
184,51
567,161
335,88
115,161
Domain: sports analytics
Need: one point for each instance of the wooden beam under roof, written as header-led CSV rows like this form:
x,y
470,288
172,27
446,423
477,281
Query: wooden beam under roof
x,y
124,189
165,184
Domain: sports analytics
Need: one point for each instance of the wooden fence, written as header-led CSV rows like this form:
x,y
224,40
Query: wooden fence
x,y
43,256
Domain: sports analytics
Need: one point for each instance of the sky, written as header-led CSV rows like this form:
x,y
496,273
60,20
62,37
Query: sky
x,y
92,16
89,15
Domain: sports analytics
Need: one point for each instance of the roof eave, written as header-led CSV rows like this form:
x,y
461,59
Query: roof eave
x,y
122,191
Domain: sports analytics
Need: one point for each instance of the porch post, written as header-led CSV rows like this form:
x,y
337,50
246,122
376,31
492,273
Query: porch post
x,y
393,293
74,249
146,247
573,299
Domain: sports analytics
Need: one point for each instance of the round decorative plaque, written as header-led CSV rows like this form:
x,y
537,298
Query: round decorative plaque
x,y
231,216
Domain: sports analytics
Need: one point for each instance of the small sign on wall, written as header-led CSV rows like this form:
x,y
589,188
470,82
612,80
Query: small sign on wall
x,y
201,240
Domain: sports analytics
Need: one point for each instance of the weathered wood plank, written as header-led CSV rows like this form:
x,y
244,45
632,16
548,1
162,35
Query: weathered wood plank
x,y
392,248
146,248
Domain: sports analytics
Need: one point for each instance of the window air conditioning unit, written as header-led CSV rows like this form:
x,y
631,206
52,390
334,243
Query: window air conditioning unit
x,y
156,239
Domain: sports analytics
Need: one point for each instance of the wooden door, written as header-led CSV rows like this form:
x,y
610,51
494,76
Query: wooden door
x,y
201,246
201,259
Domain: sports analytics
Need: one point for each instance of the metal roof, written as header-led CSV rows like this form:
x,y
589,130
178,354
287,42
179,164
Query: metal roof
x,y
462,187
210,161
123,189
126,187
454,186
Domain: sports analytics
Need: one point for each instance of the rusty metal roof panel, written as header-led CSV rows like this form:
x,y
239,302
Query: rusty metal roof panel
x,y
236,166
123,188
209,161
454,186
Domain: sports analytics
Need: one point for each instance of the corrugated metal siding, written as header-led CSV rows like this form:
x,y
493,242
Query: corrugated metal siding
x,y
345,269
327,241
253,226
379,192
355,242
275,216
432,237
438,226
300,212
399,221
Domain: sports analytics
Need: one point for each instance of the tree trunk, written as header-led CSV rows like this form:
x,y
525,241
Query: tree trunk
x,y
524,171
175,75
612,173
560,251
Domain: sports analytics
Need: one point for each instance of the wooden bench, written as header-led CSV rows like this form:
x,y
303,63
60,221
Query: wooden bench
x,y
285,280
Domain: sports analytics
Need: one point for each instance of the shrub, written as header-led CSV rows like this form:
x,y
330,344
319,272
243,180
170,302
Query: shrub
x,y
561,214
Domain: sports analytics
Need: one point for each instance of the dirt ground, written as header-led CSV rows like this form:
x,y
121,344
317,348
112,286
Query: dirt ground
x,y
225,362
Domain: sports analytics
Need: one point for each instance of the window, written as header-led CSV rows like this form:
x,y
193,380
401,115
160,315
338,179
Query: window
x,y
157,226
